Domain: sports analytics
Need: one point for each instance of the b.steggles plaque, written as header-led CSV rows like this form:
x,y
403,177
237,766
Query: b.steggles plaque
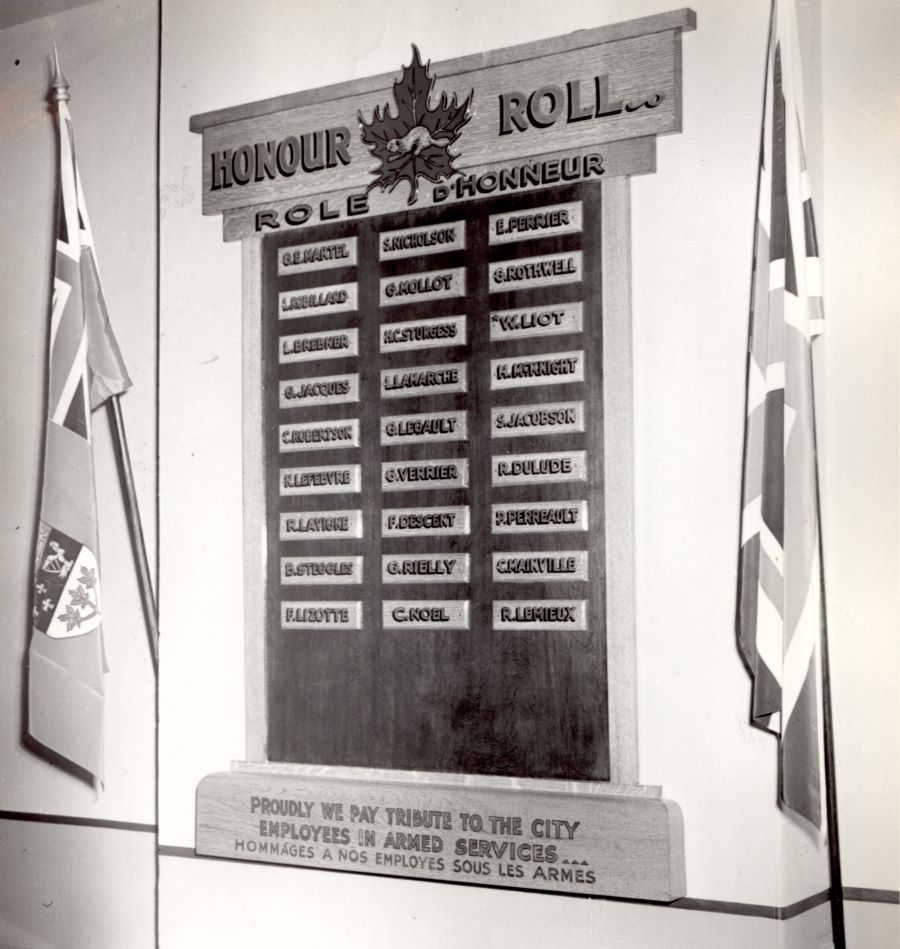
x,y
438,511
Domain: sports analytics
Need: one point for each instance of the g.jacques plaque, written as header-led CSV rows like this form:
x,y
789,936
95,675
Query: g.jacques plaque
x,y
436,313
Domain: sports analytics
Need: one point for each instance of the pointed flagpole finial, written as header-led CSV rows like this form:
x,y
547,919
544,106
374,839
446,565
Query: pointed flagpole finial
x,y
59,82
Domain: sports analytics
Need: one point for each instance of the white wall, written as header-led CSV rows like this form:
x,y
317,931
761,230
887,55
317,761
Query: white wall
x,y
62,885
692,234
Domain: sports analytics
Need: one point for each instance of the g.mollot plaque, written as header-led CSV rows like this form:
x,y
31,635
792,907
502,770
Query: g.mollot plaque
x,y
438,515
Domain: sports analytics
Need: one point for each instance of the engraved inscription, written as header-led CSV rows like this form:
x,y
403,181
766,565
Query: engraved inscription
x,y
537,321
319,525
540,614
521,225
543,467
325,614
412,241
423,380
413,475
310,436
415,288
537,370
317,256
546,271
436,521
423,334
539,516
308,346
326,479
425,614
311,570
338,298
528,566
427,427
319,390
425,568
548,418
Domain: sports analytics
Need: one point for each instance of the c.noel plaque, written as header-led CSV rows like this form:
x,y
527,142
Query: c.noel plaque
x,y
439,613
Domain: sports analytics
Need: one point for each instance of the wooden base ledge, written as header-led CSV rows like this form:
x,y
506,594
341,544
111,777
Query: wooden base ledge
x,y
567,840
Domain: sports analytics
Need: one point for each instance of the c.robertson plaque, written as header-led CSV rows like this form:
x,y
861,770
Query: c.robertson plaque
x,y
440,637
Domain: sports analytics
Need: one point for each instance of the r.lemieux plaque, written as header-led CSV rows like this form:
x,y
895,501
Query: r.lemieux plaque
x,y
439,596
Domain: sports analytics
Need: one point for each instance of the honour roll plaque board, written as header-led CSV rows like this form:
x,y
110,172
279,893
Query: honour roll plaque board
x,y
433,424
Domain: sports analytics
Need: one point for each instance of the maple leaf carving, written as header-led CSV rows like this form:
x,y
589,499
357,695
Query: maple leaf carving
x,y
414,143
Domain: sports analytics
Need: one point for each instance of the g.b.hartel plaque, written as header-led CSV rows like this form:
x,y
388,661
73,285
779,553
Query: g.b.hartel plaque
x,y
439,604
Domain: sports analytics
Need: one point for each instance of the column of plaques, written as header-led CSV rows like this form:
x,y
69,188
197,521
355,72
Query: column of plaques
x,y
320,521
424,428
540,465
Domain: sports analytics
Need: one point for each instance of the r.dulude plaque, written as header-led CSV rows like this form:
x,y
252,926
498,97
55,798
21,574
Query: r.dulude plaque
x,y
439,598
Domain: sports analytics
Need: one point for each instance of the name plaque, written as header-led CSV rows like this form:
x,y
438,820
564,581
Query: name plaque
x,y
539,517
415,475
312,436
420,288
321,256
529,566
424,380
540,614
536,321
320,525
425,427
543,467
318,391
542,370
327,614
315,570
436,521
339,298
322,479
306,347
412,241
522,274
541,222
545,418
425,568
425,614
423,334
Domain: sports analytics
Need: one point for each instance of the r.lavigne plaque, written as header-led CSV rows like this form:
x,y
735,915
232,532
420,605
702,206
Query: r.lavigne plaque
x,y
439,595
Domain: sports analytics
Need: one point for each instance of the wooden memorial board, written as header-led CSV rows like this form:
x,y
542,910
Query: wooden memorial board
x,y
439,617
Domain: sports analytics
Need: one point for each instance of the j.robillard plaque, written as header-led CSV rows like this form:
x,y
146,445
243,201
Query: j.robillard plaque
x,y
439,599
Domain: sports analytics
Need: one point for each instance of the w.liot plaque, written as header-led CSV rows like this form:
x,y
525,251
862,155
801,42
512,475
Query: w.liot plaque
x,y
439,596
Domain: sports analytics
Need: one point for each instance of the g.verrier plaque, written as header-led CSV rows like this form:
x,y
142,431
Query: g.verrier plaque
x,y
438,515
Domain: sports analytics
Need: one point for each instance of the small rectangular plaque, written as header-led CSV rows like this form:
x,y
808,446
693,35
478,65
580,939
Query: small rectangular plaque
x,y
315,570
324,614
322,479
530,566
535,222
326,254
311,436
425,568
545,418
537,321
311,301
421,521
545,369
319,525
527,272
425,614
540,614
423,380
306,347
539,467
424,427
416,475
423,334
412,241
539,517
421,287
298,393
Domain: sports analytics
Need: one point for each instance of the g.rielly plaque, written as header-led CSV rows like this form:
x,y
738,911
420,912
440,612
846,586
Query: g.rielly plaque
x,y
438,517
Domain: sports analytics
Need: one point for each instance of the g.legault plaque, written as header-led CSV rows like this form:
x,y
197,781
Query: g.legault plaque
x,y
440,641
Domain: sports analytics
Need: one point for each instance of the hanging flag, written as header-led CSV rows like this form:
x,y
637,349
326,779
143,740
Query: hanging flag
x,y
66,659
780,603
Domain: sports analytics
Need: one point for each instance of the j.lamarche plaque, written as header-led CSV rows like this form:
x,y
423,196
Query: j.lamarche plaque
x,y
439,615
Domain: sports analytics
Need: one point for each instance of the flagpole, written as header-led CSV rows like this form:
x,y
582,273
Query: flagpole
x,y
126,475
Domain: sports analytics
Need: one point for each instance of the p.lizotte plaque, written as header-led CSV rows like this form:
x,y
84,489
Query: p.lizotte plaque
x,y
440,654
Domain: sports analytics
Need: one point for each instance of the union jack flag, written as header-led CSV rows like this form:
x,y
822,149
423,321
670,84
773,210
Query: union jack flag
x,y
66,659
780,609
